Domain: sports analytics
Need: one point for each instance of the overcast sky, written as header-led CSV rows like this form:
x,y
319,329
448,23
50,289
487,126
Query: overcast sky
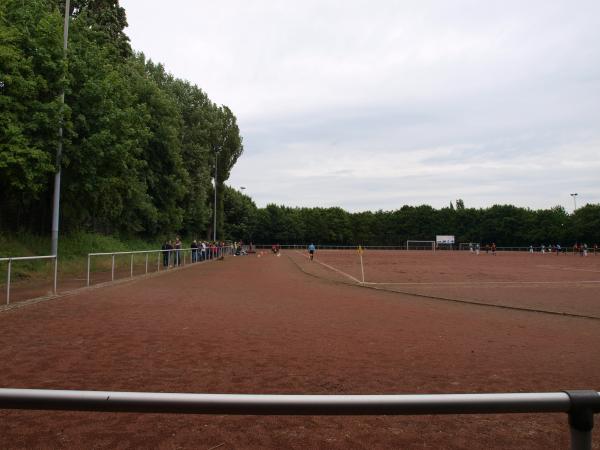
x,y
375,104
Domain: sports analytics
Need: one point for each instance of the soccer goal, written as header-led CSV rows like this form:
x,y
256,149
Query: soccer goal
x,y
471,246
420,245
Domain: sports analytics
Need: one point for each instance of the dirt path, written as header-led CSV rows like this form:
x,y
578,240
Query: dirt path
x,y
260,325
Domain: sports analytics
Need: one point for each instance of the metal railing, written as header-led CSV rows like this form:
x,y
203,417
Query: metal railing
x,y
172,257
28,258
579,405
331,247
536,249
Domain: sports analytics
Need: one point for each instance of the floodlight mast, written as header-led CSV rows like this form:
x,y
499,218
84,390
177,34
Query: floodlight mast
x,y
56,197
574,195
217,149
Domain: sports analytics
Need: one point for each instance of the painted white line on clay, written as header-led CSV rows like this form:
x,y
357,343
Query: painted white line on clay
x,y
476,283
356,280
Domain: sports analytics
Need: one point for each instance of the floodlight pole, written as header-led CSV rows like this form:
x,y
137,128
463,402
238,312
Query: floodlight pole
x,y
215,208
574,200
56,199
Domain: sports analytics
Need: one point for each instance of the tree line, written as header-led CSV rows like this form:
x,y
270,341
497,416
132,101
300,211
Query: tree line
x,y
506,225
139,144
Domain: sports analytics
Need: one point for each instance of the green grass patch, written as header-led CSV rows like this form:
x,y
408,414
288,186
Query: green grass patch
x,y
72,250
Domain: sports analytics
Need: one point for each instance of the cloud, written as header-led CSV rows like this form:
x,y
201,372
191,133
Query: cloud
x,y
373,105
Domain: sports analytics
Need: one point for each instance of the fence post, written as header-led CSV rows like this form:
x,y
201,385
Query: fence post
x,y
183,257
88,270
8,281
131,272
158,261
55,272
581,417
112,269
146,263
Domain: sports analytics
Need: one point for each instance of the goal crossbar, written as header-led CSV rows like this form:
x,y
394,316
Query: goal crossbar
x,y
468,245
420,245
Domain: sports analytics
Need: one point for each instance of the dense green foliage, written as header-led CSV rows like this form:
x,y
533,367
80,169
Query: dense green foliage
x,y
505,225
139,144
240,215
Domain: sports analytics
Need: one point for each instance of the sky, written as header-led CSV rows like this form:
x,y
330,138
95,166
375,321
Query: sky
x,y
377,104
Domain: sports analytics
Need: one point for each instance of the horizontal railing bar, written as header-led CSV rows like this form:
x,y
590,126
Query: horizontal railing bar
x,y
285,404
153,251
23,258
403,247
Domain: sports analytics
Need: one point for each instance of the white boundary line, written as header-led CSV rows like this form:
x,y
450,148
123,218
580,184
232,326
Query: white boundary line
x,y
356,280
475,283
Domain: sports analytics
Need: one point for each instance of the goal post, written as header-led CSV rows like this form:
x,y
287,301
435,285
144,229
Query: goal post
x,y
420,245
471,246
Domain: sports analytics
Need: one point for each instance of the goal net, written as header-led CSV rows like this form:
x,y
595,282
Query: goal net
x,y
471,246
420,245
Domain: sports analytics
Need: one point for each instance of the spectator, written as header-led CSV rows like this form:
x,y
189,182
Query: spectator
x,y
165,253
177,251
170,252
194,250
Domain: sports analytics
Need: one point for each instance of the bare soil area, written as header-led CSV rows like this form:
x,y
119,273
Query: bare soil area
x,y
284,325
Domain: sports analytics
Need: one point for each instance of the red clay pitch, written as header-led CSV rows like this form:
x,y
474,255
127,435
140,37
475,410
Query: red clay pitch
x,y
285,325
567,283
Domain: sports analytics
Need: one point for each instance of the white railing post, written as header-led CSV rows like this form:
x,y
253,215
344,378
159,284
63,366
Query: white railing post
x,y
158,261
88,270
55,273
146,262
8,281
131,271
112,269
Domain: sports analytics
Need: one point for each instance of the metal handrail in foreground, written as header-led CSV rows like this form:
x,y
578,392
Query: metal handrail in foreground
x,y
28,258
579,405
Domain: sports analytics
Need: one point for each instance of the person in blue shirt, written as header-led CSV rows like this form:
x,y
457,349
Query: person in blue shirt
x,y
311,251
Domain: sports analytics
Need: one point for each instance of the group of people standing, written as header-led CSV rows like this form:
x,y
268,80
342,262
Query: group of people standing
x,y
200,250
582,249
476,248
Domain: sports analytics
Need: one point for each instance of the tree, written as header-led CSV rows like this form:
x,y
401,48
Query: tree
x,y
586,224
240,216
31,73
138,142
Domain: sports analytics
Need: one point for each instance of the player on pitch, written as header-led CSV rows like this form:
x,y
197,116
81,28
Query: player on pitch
x,y
311,251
